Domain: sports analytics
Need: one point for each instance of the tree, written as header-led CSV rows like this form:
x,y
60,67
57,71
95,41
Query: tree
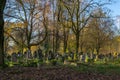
x,y
33,15
80,12
2,6
100,30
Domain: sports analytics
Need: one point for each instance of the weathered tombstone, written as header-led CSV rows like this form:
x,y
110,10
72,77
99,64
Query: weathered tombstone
x,y
118,55
29,54
20,57
46,56
57,56
66,56
60,57
94,56
8,57
14,57
40,55
88,55
35,54
19,54
63,58
72,55
25,55
79,55
50,55
83,57
100,56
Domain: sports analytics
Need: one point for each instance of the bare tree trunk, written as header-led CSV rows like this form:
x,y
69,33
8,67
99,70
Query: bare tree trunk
x,y
81,47
97,50
77,42
66,34
2,5
65,43
53,41
56,40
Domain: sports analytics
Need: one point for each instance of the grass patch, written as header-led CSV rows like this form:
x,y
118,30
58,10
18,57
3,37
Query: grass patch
x,y
107,69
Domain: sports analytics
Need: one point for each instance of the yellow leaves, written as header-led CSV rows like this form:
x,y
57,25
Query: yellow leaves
x,y
118,39
34,48
115,54
8,30
25,23
12,25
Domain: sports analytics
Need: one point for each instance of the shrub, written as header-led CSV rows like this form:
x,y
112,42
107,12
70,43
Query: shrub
x,y
90,60
32,64
53,62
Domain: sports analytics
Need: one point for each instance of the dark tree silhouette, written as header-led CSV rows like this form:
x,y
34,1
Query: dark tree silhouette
x,y
2,6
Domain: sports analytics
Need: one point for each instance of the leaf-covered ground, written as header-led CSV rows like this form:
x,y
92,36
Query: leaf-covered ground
x,y
51,73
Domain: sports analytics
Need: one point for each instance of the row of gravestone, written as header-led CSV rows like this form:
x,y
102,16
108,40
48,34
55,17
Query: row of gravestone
x,y
37,54
50,55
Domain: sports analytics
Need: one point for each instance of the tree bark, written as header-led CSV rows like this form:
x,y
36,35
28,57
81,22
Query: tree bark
x,y
53,41
65,43
2,5
77,42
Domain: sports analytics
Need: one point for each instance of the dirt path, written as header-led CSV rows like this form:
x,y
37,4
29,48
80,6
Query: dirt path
x,y
53,73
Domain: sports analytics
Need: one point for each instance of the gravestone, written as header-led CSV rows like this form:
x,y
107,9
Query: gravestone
x,y
50,55
8,57
29,54
46,56
66,56
101,56
19,54
60,57
72,55
82,57
14,57
35,54
118,55
79,55
25,55
57,56
40,55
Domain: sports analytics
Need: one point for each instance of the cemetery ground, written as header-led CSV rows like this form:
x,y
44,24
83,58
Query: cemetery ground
x,y
56,70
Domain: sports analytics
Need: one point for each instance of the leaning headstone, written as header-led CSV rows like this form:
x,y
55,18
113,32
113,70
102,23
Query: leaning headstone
x,y
14,57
